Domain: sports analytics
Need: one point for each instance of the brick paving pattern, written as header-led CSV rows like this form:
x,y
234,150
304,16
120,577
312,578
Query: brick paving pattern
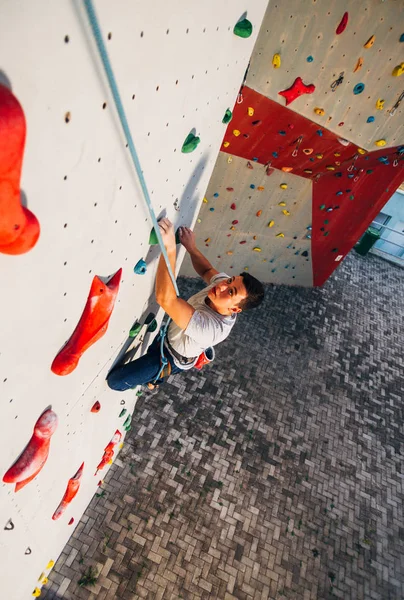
x,y
276,472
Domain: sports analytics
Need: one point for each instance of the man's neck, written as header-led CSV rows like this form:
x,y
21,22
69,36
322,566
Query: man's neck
x,y
209,302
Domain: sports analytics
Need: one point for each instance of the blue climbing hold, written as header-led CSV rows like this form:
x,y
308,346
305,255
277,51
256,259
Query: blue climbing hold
x,y
319,132
140,267
308,236
252,186
369,171
358,89
308,227
282,132
275,154
305,253
384,160
339,174
273,270
400,150
370,120
351,175
310,58
255,159
216,195
339,193
211,209
296,253
311,159
402,37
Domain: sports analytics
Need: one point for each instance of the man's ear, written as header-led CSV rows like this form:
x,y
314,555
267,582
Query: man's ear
x,y
236,309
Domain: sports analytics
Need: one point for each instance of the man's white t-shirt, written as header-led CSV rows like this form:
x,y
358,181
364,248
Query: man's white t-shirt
x,y
206,327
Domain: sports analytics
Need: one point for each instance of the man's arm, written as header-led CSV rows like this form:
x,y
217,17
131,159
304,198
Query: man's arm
x,y
200,263
176,308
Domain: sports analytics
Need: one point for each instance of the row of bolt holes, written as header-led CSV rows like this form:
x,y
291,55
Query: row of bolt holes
x,y
67,39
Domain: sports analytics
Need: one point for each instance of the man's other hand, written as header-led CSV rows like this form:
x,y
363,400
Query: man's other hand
x,y
187,238
167,233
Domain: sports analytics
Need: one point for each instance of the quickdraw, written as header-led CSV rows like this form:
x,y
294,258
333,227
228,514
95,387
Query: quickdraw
x,y
337,82
240,94
397,104
352,165
297,142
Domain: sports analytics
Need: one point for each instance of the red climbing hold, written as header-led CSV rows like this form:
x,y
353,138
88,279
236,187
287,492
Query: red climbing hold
x,y
230,189
73,487
234,222
233,206
344,22
297,89
71,521
269,171
19,227
243,242
35,454
92,325
109,450
96,407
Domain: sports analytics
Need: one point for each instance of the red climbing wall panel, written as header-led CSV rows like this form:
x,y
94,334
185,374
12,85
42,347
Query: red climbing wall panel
x,y
350,186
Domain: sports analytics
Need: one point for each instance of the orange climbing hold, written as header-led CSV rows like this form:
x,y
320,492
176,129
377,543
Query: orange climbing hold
x,y
260,188
359,65
308,151
19,227
109,451
96,407
259,213
35,454
73,487
287,169
92,325
370,42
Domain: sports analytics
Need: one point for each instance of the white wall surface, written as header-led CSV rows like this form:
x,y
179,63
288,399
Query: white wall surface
x,y
178,67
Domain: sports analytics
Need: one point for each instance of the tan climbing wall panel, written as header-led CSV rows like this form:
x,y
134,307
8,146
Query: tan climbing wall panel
x,y
298,30
178,67
280,260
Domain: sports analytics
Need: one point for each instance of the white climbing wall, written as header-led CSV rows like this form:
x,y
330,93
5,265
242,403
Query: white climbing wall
x,y
179,67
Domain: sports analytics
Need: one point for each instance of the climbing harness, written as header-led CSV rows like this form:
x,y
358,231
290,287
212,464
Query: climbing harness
x,y
337,82
88,4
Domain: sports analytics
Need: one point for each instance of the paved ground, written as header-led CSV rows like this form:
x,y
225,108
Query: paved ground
x,y
275,473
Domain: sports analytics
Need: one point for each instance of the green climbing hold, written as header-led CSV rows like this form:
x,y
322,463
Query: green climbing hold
x,y
135,329
190,144
127,421
322,207
153,241
123,412
228,115
153,326
243,28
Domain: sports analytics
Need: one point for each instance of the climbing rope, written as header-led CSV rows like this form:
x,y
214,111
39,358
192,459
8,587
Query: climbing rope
x,y
125,126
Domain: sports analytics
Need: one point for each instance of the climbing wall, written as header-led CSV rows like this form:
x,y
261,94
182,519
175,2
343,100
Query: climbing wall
x,y
73,224
322,101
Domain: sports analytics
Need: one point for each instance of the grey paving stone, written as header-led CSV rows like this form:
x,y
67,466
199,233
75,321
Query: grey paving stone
x,y
274,473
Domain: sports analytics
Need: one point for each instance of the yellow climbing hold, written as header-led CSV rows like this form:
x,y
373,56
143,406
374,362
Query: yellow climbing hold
x,y
120,446
254,237
370,42
207,240
319,111
36,593
330,168
380,104
236,132
198,221
245,268
45,580
205,200
287,169
319,156
42,575
229,253
359,65
309,171
271,223
380,143
260,188
50,565
337,153
284,186
232,228
230,159
250,111
257,249
361,151
280,235
286,212
398,70
282,203
276,61
226,144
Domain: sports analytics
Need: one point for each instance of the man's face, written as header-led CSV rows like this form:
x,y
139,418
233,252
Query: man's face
x,y
226,295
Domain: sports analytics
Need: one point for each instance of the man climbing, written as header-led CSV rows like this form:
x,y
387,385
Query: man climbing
x,y
197,324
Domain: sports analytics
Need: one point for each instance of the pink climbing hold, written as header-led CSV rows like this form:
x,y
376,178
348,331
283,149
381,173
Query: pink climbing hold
x,y
35,454
343,23
298,88
233,206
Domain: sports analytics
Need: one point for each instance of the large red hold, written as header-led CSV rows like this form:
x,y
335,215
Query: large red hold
x,y
35,454
92,325
343,23
73,487
19,227
109,450
298,88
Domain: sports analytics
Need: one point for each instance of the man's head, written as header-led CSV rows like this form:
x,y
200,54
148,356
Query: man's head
x,y
235,294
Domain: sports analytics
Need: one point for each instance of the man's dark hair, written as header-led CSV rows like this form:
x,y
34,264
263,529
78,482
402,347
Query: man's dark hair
x,y
255,292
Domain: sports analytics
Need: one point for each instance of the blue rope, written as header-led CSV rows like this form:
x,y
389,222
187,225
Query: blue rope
x,y
125,126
